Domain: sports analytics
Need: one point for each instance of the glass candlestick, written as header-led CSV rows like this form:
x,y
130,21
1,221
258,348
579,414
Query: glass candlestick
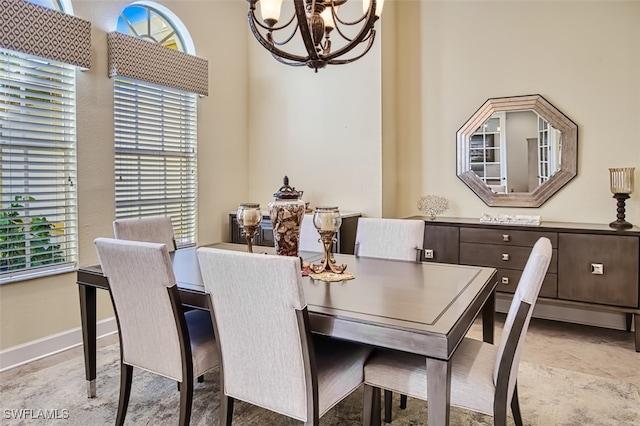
x,y
248,218
621,181
327,221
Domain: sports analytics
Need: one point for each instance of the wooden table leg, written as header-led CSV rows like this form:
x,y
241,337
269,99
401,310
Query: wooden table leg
x,y
636,318
488,318
438,392
88,318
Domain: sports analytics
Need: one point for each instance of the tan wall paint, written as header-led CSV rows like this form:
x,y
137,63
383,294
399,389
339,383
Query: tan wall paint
x,y
321,129
38,308
467,51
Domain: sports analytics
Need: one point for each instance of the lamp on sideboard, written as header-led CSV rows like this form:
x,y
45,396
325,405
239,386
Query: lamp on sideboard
x,y
621,186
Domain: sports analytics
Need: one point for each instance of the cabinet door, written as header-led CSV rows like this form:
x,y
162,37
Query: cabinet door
x,y
599,268
441,244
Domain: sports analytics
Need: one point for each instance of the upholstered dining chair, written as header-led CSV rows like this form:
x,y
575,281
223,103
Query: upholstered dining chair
x,y
157,229
309,236
155,333
483,376
268,356
399,239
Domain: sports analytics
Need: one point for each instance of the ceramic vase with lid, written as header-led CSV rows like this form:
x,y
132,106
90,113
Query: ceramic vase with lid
x,y
286,212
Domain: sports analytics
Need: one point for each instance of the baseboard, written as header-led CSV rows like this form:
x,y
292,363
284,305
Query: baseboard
x,y
36,349
572,314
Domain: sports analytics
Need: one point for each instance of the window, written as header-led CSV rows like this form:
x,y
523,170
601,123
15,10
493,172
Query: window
x,y
155,143
155,136
37,166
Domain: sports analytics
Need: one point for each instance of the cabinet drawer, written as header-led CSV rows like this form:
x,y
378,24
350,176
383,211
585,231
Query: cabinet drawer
x,y
506,237
506,257
599,268
508,281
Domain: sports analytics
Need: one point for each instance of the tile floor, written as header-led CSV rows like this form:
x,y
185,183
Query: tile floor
x,y
591,350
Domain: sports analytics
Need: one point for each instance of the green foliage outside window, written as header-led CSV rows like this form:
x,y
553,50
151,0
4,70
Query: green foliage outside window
x,y
26,244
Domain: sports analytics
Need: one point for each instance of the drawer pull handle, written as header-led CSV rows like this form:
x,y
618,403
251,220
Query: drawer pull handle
x,y
505,280
428,254
505,256
506,237
597,269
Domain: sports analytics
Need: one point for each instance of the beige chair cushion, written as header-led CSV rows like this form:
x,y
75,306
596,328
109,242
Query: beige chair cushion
x,y
389,238
340,368
471,375
309,236
139,274
256,300
149,229
204,351
474,366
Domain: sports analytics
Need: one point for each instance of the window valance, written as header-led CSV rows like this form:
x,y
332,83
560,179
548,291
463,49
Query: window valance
x,y
142,60
36,30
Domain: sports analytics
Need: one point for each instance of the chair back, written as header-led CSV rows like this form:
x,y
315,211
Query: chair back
x,y
519,316
139,275
400,239
255,298
309,236
150,229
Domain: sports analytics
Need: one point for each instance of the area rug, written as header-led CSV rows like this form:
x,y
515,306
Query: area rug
x,y
56,395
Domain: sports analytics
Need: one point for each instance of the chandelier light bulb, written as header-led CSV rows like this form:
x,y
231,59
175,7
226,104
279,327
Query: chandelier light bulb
x,y
367,3
270,10
318,35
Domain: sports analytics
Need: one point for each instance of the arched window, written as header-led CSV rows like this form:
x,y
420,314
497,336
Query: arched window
x,y
38,217
155,132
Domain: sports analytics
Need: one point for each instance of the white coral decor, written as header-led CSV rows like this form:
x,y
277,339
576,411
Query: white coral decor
x,y
432,205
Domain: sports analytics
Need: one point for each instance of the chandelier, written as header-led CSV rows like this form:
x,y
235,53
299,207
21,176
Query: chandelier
x,y
316,21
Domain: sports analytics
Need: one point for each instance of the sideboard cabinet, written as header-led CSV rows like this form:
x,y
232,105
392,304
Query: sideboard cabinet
x,y
346,235
592,266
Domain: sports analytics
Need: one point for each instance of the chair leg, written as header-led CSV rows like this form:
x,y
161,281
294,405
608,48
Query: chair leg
x,y
371,414
403,402
186,399
388,400
126,374
226,409
515,407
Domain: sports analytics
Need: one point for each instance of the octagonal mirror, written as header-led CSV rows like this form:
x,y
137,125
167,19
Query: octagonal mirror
x,y
517,151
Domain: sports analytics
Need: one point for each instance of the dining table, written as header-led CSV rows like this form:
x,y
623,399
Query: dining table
x,y
417,307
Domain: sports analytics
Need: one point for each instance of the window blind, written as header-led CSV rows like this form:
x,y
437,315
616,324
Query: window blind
x,y
38,215
155,154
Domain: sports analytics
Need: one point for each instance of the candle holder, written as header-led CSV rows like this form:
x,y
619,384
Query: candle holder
x,y
621,179
327,221
248,217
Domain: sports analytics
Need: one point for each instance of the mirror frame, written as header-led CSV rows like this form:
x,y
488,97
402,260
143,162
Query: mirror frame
x,y
569,151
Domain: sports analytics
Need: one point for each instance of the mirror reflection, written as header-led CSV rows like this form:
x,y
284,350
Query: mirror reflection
x,y
515,151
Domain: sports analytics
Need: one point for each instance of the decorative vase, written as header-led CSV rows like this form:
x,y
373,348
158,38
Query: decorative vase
x,y
286,212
